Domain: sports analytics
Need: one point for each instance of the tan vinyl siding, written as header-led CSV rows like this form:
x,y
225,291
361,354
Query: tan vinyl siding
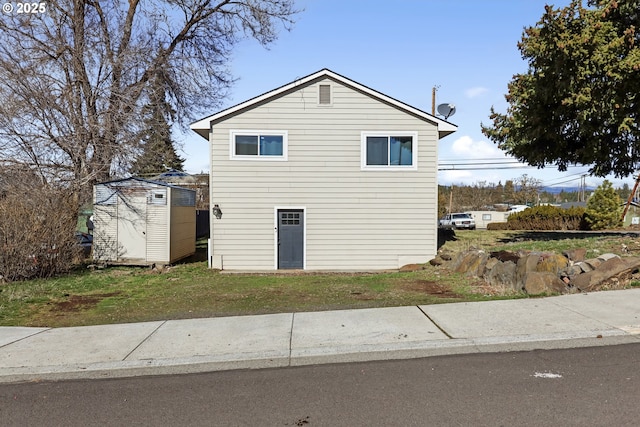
x,y
183,231
355,219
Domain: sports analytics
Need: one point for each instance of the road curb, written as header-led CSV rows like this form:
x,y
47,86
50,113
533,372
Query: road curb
x,y
316,356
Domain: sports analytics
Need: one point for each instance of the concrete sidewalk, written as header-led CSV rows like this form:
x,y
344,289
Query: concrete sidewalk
x,y
294,339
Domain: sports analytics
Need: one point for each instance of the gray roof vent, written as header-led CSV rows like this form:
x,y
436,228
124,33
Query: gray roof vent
x,y
324,94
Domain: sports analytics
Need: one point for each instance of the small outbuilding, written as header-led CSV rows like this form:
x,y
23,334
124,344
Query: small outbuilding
x,y
484,218
140,222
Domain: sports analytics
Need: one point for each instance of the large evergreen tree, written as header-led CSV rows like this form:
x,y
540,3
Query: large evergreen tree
x,y
158,152
579,101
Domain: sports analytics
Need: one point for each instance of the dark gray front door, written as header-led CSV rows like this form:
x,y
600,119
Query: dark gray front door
x,y
290,238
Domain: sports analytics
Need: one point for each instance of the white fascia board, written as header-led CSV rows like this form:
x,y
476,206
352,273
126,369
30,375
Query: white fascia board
x,y
444,128
203,126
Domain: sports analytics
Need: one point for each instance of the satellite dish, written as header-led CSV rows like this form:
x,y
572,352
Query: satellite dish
x,y
446,110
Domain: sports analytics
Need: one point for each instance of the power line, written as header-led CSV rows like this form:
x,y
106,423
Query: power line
x,y
493,164
454,168
577,174
481,163
564,182
478,164
476,159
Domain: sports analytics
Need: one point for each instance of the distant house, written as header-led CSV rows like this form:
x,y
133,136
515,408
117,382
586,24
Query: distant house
x,y
197,182
484,218
632,216
322,173
137,221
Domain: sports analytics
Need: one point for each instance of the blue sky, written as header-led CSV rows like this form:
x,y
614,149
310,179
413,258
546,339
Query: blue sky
x,y
467,48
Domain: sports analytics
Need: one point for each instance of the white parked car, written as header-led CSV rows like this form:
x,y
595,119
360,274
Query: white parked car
x,y
457,220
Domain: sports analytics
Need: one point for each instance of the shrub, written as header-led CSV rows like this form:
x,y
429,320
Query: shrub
x,y
547,218
497,226
603,208
36,232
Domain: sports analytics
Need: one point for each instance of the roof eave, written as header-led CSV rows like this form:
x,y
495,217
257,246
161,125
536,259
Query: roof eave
x,y
203,127
445,129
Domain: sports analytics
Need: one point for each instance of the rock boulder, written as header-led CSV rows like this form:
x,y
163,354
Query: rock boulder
x,y
543,282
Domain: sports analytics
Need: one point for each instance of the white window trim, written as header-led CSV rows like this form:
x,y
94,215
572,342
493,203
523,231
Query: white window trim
x,y
363,151
285,145
275,233
153,198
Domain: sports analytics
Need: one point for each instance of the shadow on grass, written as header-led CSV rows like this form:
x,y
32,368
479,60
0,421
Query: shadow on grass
x,y
562,235
446,235
199,256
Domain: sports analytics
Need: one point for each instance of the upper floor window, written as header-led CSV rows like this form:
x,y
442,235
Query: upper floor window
x,y
263,145
389,150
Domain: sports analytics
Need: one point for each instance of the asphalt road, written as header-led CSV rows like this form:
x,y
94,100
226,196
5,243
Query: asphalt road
x,y
577,387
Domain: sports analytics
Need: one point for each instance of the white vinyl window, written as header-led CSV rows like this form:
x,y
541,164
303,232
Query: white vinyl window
x,y
389,150
258,145
157,197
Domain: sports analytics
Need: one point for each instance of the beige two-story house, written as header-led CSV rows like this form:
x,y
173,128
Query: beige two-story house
x,y
322,173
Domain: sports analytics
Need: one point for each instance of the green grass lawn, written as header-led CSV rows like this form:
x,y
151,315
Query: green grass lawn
x,y
190,289
123,294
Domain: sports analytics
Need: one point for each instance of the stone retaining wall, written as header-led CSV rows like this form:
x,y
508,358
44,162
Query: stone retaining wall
x,y
544,272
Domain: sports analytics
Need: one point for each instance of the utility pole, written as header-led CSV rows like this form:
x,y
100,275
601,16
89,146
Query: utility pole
x,y
581,192
633,193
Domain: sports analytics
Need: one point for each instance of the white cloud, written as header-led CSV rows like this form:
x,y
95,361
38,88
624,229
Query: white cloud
x,y
474,92
467,147
456,177
472,177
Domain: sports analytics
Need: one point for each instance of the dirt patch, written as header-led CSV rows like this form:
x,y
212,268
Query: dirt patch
x,y
81,302
431,288
361,296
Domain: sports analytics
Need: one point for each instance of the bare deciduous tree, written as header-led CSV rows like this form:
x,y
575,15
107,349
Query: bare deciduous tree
x,y
527,189
35,220
75,78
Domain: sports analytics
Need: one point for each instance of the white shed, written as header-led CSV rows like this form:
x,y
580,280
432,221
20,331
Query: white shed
x,y
137,221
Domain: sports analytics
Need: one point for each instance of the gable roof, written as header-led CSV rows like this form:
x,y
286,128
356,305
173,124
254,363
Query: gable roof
x,y
203,126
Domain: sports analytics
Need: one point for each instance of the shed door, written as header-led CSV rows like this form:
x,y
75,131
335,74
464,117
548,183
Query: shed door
x,y
290,239
132,239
